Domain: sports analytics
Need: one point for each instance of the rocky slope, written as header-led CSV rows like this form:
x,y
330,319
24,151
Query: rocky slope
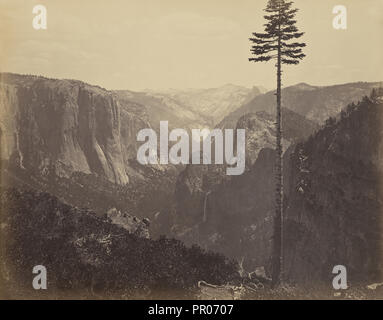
x,y
334,212
313,102
260,131
89,257
67,126
148,195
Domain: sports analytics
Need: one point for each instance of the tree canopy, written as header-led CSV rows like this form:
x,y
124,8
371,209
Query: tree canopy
x,y
280,35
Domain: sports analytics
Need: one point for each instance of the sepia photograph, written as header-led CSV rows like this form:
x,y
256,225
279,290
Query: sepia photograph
x,y
191,151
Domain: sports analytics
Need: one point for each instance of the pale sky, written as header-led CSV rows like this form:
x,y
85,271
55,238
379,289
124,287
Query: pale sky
x,y
159,44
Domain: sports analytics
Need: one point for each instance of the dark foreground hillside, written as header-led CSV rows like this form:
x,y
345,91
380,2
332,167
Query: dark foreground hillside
x,y
88,257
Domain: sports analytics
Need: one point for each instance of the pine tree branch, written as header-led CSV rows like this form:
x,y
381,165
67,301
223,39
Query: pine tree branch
x,y
261,59
261,41
289,36
294,56
292,12
289,29
263,49
293,45
262,35
271,17
292,51
290,61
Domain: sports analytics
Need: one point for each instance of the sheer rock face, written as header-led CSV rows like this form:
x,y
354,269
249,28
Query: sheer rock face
x,y
66,126
334,213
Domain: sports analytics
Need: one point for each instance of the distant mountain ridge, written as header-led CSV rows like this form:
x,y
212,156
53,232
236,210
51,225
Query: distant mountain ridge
x,y
215,103
316,103
192,108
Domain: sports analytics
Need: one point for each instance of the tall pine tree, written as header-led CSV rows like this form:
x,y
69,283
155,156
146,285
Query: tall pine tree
x,y
278,42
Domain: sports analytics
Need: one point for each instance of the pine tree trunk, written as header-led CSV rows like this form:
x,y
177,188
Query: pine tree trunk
x,y
278,220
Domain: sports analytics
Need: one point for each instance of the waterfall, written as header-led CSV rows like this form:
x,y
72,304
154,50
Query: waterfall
x,y
21,157
204,206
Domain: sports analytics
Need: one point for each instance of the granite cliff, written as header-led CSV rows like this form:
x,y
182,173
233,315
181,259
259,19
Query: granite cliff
x,y
67,126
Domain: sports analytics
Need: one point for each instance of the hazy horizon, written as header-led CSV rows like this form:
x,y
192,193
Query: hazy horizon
x,y
147,45
163,90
